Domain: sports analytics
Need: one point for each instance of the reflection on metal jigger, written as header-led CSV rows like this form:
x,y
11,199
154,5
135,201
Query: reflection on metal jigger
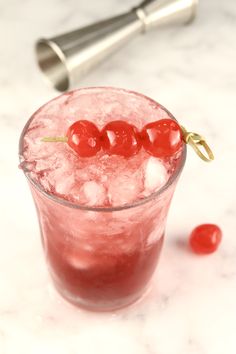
x,y
66,58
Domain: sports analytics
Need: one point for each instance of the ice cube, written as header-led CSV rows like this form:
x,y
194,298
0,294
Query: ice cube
x,y
65,184
155,175
125,188
156,234
93,193
78,260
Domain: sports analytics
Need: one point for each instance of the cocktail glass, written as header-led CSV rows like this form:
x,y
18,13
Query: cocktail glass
x,y
102,258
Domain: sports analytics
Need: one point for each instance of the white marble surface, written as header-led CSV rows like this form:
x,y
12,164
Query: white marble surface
x,y
191,308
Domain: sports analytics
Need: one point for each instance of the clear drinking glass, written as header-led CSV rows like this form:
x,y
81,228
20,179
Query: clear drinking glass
x,y
102,258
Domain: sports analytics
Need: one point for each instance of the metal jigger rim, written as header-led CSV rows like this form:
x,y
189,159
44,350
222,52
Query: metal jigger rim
x,y
60,85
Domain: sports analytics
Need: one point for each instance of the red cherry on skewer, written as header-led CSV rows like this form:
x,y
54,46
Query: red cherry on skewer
x,y
162,138
120,138
205,238
84,138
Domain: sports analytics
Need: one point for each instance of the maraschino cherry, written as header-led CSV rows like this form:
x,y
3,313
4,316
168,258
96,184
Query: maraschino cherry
x,y
205,238
120,138
84,138
162,138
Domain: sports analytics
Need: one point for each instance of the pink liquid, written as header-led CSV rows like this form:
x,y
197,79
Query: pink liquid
x,y
101,222
111,279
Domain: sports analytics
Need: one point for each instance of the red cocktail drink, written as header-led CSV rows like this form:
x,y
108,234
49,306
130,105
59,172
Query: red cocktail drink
x,y
102,218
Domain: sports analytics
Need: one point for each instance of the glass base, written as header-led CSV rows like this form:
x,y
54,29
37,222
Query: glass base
x,y
94,307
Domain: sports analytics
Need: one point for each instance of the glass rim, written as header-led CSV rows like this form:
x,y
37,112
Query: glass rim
x,y
69,204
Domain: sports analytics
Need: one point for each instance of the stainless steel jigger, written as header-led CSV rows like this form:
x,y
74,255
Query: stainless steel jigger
x,y
66,58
